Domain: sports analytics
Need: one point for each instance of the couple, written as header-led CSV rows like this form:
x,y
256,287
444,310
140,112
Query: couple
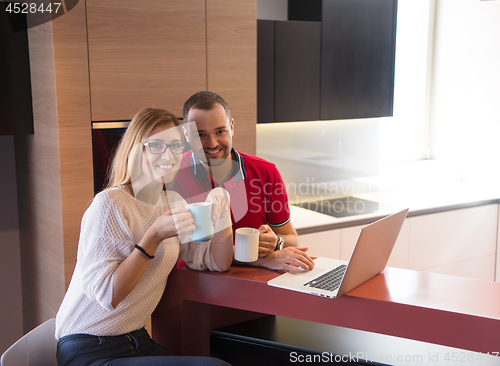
x,y
132,232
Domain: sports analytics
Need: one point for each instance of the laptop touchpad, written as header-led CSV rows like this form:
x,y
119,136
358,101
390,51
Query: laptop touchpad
x,y
306,273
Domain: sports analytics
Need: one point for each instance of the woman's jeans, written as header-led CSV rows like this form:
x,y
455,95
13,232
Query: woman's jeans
x,y
135,348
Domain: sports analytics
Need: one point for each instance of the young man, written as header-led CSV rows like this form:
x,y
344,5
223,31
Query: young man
x,y
258,194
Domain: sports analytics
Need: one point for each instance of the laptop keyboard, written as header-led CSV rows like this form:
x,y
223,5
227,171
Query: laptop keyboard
x,y
329,281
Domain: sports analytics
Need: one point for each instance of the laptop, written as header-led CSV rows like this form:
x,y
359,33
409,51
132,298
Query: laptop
x,y
332,277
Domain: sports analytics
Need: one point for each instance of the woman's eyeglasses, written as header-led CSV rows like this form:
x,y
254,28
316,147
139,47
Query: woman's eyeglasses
x,y
159,147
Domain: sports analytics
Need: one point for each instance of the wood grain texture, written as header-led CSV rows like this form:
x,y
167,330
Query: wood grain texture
x,y
232,64
39,190
145,53
54,166
74,126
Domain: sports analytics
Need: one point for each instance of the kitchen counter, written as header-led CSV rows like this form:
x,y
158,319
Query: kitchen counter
x,y
426,307
422,200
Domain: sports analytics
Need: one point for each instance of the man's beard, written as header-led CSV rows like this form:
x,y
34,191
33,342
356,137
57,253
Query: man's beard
x,y
217,161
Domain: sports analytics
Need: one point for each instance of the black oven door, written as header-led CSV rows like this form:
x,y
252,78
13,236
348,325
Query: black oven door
x,y
105,138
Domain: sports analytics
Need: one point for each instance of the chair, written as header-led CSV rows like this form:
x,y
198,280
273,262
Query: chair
x,y
37,348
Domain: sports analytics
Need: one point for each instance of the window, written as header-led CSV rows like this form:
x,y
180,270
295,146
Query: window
x,y
405,136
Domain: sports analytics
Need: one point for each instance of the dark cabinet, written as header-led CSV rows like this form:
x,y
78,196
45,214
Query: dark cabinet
x,y
357,58
339,68
16,106
297,71
265,71
288,71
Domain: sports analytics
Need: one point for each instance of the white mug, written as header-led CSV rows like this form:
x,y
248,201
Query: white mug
x,y
203,223
246,244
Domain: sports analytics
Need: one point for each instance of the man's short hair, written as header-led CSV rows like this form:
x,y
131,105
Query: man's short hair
x,y
204,100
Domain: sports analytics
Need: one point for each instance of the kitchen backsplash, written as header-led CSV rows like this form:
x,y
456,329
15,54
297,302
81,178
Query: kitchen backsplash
x,y
323,158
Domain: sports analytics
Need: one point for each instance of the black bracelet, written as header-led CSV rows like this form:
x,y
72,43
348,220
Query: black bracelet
x,y
144,252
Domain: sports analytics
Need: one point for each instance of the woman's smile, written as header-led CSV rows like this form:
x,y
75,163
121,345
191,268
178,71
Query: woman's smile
x,y
164,164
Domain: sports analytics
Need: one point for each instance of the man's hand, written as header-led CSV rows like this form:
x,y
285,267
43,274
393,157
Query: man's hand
x,y
267,241
287,259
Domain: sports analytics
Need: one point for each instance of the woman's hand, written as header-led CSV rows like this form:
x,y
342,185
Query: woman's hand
x,y
219,198
177,221
222,242
129,272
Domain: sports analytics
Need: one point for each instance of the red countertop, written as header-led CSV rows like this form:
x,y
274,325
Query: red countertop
x,y
445,310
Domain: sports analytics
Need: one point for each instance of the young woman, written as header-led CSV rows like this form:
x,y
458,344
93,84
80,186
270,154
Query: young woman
x,y
130,240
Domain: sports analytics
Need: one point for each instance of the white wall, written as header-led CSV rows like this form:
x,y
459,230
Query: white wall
x,y
465,109
11,309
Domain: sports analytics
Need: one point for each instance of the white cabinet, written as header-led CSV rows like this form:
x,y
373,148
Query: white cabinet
x,y
498,248
340,244
459,242
348,238
399,257
322,244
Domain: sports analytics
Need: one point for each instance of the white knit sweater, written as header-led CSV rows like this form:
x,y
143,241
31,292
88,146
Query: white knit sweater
x,y
110,228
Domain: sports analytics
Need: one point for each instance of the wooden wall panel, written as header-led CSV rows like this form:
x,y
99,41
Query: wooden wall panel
x,y
145,53
11,306
39,190
232,64
74,126
54,166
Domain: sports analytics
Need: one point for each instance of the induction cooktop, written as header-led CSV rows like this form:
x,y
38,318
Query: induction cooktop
x,y
341,206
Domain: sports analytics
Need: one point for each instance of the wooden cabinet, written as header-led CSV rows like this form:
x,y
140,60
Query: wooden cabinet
x,y
159,53
232,64
147,53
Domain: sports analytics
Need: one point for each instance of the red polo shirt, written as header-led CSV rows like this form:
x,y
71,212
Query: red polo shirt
x,y
257,191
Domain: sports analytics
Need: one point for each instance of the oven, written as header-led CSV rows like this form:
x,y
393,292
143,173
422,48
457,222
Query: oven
x,y
105,139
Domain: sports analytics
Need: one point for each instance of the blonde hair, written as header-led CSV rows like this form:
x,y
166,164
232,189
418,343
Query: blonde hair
x,y
129,150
